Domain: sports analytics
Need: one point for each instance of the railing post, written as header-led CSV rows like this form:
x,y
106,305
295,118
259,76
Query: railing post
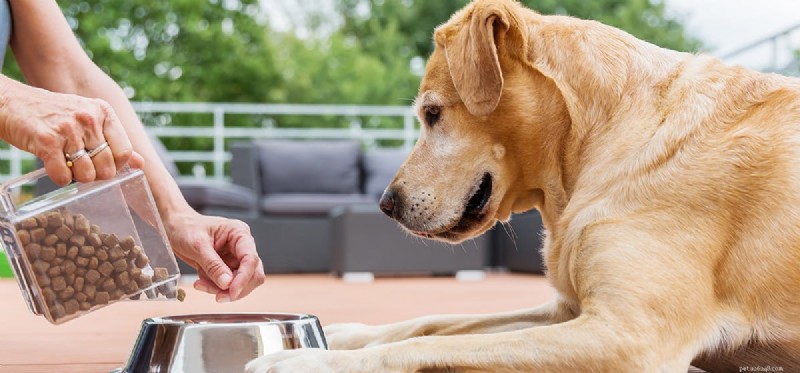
x,y
219,143
408,130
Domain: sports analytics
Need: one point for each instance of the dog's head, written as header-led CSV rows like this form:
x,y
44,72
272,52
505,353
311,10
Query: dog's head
x,y
485,117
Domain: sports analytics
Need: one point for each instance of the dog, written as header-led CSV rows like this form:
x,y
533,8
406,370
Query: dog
x,y
668,183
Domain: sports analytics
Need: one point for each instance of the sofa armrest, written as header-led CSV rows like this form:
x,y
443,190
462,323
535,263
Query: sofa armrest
x,y
245,170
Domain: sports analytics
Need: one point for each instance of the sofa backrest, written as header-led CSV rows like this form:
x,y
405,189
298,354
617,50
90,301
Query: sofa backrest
x,y
380,166
309,166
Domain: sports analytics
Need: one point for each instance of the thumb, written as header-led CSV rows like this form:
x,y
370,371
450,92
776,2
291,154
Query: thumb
x,y
215,268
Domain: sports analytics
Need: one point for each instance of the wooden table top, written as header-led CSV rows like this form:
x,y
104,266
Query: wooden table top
x,y
101,341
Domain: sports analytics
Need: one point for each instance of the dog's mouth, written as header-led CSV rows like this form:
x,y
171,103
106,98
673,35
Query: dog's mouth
x,y
474,210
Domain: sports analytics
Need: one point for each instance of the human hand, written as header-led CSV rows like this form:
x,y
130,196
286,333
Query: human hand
x,y
51,125
222,250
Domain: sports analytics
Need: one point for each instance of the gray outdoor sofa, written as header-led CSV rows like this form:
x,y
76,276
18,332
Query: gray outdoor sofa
x,y
318,211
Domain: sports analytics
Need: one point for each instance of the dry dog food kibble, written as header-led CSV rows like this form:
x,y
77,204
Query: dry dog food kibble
x,y
78,266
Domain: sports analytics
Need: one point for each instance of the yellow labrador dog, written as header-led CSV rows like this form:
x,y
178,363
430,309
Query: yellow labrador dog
x,y
669,184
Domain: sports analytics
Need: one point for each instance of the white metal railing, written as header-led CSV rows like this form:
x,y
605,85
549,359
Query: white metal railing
x,y
219,132
774,53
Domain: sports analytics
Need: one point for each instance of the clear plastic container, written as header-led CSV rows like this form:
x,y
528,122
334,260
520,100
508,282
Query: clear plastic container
x,y
86,245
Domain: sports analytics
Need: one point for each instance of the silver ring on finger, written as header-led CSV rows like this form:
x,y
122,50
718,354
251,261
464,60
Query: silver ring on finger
x,y
98,149
71,158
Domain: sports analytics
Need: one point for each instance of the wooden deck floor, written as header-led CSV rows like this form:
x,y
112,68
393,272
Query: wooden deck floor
x,y
102,340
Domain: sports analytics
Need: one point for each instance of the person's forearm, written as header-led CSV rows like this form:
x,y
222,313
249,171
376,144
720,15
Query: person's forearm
x,y
165,191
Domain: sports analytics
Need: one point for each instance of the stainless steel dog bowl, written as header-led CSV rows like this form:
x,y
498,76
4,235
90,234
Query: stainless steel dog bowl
x,y
218,343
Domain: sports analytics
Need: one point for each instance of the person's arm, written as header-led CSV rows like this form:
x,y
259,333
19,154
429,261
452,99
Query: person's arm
x,y
50,57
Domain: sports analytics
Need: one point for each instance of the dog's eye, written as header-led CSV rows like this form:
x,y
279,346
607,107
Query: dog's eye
x,y
432,114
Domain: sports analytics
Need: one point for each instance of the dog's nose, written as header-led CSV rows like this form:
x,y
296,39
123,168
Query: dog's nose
x,y
387,203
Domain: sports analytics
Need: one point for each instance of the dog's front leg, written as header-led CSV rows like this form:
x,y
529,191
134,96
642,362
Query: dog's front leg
x,y
587,344
353,336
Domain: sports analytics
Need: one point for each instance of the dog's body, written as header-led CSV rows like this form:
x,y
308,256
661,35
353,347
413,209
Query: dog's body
x,y
669,184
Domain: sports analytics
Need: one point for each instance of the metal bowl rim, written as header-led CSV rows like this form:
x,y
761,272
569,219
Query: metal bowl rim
x,y
291,318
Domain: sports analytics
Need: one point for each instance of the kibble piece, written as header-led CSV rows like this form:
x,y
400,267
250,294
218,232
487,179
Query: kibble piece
x,y
136,297
144,281
24,237
85,306
92,276
95,229
70,278
106,269
109,285
77,240
54,219
38,234
81,297
110,240
41,220
49,296
93,263
71,306
102,297
181,294
69,219
131,288
58,261
29,223
54,271
135,273
50,240
47,254
61,250
116,253
64,232
72,253
81,272
34,250
78,284
83,262
43,280
70,267
169,290
40,266
94,239
101,253
59,283
117,294
160,274
82,225
122,279
127,243
141,261
66,293
90,291
87,251
58,311
120,265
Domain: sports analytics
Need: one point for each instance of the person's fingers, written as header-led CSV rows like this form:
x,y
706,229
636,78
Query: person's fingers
x,y
213,266
114,133
256,281
95,142
205,284
244,276
56,167
136,160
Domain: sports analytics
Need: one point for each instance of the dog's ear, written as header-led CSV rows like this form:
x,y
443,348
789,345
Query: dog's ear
x,y
472,58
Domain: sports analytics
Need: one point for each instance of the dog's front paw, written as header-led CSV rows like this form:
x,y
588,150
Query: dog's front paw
x,y
353,336
296,361
318,361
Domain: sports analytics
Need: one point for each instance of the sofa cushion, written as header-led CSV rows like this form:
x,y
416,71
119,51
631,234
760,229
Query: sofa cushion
x,y
201,195
309,204
380,165
309,167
